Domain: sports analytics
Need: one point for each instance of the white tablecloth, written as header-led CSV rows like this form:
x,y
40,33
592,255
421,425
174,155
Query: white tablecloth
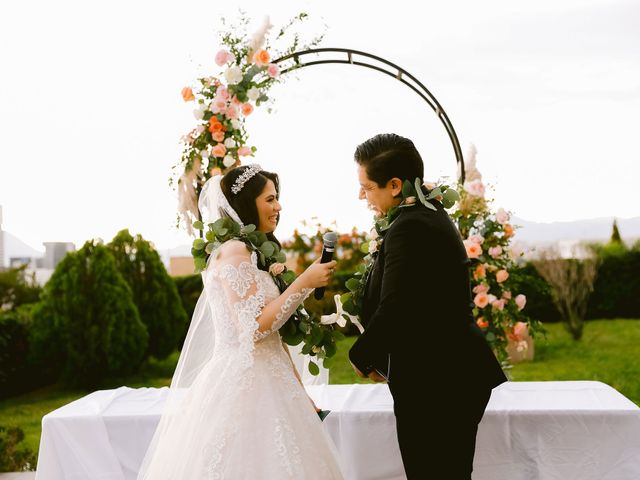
x,y
531,430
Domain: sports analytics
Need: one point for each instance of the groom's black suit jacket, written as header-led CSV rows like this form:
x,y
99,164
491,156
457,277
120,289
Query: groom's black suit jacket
x,y
418,309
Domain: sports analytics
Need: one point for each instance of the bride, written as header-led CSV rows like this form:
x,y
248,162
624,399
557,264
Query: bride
x,y
236,407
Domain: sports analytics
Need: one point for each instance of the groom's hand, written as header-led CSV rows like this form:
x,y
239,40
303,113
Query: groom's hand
x,y
376,377
358,372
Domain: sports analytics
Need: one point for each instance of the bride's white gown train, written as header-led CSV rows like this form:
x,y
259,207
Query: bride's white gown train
x,y
244,414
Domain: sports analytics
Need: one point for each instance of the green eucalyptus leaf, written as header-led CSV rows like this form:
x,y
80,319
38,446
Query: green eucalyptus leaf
x,y
352,284
337,335
198,244
268,248
316,334
198,225
364,248
200,263
407,189
490,337
281,257
248,229
210,236
418,186
314,369
306,349
209,248
330,349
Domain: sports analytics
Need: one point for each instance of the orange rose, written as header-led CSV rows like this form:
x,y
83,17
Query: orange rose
x,y
474,250
187,94
481,300
508,230
247,108
261,58
482,323
502,276
215,125
480,272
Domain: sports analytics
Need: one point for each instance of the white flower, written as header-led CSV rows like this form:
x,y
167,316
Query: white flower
x,y
200,129
339,316
235,123
204,154
233,75
198,113
253,93
228,160
229,143
373,234
502,216
373,246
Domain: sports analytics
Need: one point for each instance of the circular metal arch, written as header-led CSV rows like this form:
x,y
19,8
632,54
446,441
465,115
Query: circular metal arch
x,y
297,60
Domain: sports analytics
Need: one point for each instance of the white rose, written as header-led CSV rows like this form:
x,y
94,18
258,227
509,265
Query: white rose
x,y
235,123
228,160
373,246
199,114
233,75
200,129
229,143
253,93
373,234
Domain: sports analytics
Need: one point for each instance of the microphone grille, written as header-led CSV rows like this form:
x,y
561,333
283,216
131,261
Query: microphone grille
x,y
330,239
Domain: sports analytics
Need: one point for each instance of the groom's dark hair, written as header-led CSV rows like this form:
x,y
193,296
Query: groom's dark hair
x,y
388,155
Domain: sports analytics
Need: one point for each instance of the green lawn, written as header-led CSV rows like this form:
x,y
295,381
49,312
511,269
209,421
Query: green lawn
x,y
608,352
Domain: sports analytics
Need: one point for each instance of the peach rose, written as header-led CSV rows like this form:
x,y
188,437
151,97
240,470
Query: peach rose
x,y
215,171
495,252
480,271
502,276
508,230
506,295
273,71
244,151
247,108
261,58
481,300
520,329
222,92
481,288
219,150
232,112
482,323
498,304
521,301
474,250
276,269
187,94
218,136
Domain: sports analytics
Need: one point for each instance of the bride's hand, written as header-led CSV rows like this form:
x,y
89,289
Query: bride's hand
x,y
318,274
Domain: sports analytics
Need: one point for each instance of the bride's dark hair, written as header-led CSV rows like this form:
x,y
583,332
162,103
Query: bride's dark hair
x,y
244,202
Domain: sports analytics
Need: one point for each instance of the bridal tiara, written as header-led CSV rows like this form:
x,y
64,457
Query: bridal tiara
x,y
245,177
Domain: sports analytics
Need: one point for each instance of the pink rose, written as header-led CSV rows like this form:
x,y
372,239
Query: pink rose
x,y
235,101
276,269
222,92
218,136
502,276
516,251
272,70
498,304
502,216
476,238
247,108
219,105
244,151
219,150
474,250
520,330
481,300
475,188
495,252
232,112
521,301
223,57
481,288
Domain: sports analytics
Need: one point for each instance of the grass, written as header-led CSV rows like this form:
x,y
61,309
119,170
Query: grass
x,y
608,352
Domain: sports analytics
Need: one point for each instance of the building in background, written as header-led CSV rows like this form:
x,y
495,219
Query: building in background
x,y
54,252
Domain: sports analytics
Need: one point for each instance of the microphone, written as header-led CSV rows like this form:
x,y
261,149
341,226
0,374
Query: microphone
x,y
329,239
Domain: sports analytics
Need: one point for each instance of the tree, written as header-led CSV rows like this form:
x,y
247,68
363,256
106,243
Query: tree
x,y
87,320
571,281
17,288
615,234
154,292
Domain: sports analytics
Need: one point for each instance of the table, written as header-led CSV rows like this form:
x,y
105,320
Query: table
x,y
531,430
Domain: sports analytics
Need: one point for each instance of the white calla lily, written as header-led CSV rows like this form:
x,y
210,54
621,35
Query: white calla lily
x,y
339,316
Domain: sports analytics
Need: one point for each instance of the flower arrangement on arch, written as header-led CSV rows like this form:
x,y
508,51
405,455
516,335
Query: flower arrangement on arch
x,y
488,235
223,101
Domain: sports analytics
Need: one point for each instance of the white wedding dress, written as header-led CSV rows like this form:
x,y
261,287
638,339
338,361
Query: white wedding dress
x,y
241,412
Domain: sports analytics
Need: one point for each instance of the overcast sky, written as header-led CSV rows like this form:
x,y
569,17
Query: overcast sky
x,y
91,113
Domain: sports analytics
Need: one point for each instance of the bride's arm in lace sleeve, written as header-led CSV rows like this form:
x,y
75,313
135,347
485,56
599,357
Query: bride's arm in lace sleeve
x,y
244,289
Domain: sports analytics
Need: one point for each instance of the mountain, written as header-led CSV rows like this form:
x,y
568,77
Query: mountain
x,y
14,247
596,229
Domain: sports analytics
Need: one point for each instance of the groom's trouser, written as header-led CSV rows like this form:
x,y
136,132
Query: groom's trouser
x,y
437,432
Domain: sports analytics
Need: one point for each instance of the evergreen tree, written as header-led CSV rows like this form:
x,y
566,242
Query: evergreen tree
x,y
154,292
615,234
87,320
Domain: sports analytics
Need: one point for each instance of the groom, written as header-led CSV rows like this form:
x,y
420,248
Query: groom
x,y
420,334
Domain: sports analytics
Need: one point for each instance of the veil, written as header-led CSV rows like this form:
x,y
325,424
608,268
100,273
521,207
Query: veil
x,y
199,342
